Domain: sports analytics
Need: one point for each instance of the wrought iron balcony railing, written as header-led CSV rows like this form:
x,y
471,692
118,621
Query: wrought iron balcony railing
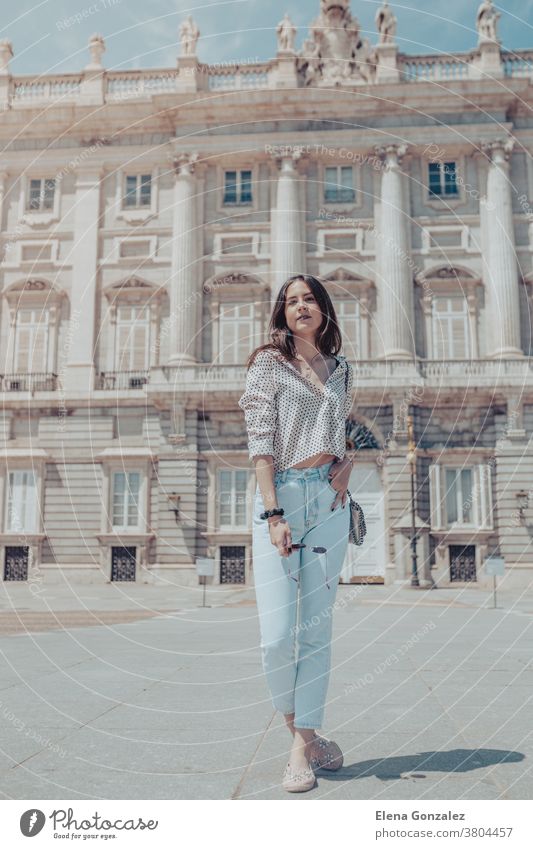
x,y
122,379
29,382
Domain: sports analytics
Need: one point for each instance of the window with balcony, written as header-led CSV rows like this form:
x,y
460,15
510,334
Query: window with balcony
x,y
125,500
138,191
338,184
132,338
442,179
238,187
40,194
21,502
450,336
32,340
460,496
232,498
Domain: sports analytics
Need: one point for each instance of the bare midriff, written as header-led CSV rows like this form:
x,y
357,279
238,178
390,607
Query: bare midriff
x,y
315,460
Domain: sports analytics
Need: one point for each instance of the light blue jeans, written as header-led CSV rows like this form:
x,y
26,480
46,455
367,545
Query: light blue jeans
x,y
295,594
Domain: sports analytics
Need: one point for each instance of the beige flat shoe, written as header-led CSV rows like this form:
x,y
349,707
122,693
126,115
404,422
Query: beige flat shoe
x,y
325,754
298,781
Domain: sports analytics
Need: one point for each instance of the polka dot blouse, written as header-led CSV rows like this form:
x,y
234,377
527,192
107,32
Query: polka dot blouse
x,y
291,418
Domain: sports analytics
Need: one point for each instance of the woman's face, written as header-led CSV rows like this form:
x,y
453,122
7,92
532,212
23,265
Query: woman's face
x,y
300,302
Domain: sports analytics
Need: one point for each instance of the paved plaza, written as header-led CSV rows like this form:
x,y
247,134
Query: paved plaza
x,y
126,690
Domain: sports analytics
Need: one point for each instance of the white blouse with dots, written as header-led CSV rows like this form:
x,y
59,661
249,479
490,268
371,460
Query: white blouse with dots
x,y
291,418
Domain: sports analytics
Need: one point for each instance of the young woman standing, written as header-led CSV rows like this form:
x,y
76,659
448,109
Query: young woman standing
x,y
296,404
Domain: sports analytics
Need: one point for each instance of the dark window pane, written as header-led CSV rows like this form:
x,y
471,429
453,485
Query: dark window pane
x,y
450,178
246,186
130,198
434,179
230,187
146,189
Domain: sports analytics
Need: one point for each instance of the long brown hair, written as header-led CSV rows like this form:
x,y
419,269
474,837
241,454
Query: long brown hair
x,y
328,339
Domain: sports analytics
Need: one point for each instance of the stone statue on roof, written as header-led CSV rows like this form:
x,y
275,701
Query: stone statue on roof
x,y
189,34
386,23
286,32
487,21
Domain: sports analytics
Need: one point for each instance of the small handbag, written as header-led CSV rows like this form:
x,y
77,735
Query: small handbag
x,y
357,530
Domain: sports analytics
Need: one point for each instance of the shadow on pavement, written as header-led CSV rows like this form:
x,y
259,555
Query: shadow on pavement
x,y
456,760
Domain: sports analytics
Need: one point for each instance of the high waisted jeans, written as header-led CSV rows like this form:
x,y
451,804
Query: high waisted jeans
x,y
295,594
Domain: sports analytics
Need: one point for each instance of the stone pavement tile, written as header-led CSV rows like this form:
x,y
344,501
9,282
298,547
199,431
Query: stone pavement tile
x,y
388,718
96,764
61,702
501,697
80,781
161,718
20,742
511,725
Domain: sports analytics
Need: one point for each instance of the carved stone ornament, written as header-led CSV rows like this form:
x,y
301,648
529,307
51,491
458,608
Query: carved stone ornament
x,y
335,53
184,164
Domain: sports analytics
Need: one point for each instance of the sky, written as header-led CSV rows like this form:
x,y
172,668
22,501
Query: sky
x,y
50,36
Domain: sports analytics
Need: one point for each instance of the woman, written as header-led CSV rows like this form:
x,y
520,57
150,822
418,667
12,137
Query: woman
x,y
296,404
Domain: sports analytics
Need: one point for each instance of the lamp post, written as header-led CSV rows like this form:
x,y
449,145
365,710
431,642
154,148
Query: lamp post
x,y
411,457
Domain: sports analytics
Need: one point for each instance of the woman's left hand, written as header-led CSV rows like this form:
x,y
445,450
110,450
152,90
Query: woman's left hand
x,y
339,479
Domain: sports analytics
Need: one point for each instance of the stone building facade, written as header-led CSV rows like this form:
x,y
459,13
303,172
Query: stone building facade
x,y
147,220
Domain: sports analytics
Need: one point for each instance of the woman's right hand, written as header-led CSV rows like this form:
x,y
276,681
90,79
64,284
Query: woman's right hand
x,y
280,535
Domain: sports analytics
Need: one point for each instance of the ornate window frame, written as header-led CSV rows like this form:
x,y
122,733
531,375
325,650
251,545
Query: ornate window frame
x,y
333,205
223,209
133,291
450,280
34,293
343,283
136,215
237,287
482,503
445,201
38,218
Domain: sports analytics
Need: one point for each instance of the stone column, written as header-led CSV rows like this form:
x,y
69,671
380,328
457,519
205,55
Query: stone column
x,y
395,283
184,291
503,329
6,54
79,372
287,243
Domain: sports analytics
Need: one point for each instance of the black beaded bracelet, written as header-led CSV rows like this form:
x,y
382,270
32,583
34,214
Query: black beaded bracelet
x,y
277,511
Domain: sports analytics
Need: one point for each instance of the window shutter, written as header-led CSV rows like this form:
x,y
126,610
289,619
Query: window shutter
x,y
435,502
133,330
139,336
133,498
22,503
22,349
31,340
484,488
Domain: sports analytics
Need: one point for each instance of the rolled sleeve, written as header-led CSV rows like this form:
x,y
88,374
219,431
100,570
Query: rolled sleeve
x,y
259,405
348,399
